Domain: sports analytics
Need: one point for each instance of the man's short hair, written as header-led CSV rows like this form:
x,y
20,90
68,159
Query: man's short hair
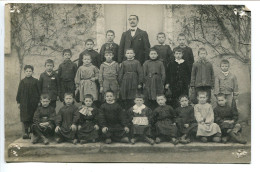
x,y
50,61
28,67
161,33
137,18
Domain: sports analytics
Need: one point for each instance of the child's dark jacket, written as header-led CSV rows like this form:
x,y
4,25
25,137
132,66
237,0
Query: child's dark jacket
x,y
44,114
49,84
109,46
67,71
222,113
187,55
185,115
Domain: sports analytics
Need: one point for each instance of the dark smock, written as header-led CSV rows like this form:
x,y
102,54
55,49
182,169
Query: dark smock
x,y
64,119
28,96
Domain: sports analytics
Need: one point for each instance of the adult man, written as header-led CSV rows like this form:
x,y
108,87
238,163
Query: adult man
x,y
134,38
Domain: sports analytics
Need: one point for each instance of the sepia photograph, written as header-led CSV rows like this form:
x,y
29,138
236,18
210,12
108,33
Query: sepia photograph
x,y
153,83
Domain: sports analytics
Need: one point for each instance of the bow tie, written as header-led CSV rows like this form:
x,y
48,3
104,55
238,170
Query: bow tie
x,y
132,30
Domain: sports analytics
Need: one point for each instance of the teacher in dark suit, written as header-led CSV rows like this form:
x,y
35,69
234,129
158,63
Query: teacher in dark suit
x,y
134,38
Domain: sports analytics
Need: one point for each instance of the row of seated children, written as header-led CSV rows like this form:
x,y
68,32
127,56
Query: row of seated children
x,y
87,123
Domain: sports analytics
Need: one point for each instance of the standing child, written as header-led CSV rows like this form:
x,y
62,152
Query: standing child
x,y
154,77
226,117
66,74
66,121
226,83
87,120
202,76
205,118
140,117
113,120
95,57
43,121
86,77
109,45
186,121
28,96
178,77
187,51
164,50
108,74
49,83
130,78
164,118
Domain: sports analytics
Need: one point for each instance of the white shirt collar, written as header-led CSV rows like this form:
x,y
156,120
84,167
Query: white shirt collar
x,y
109,64
179,61
135,28
138,109
225,73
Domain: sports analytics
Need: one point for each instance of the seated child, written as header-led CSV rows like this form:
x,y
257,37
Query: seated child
x,y
86,78
164,50
66,121
226,83
154,78
164,118
49,82
109,45
108,74
43,121
87,116
113,120
187,123
205,118
66,74
140,116
28,96
226,117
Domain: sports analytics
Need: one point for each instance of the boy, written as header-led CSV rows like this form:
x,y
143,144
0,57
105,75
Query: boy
x,y
226,83
96,61
49,83
178,77
66,74
226,117
108,74
164,51
202,75
109,45
187,51
66,120
113,120
28,96
43,121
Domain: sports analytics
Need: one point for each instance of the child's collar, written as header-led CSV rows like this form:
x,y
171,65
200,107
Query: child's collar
x,y
179,61
112,102
109,64
225,73
87,65
131,58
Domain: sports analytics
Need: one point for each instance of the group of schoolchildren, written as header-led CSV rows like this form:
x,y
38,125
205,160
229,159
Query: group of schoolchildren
x,y
139,102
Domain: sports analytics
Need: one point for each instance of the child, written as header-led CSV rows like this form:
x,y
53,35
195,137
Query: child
x,y
66,74
43,121
86,77
130,78
187,51
205,118
154,77
113,120
226,83
202,76
95,57
186,121
87,120
164,51
28,96
140,117
226,117
165,117
49,83
108,75
66,121
178,77
109,45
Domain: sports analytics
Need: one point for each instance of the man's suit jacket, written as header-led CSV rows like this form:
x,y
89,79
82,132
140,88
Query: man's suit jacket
x,y
139,42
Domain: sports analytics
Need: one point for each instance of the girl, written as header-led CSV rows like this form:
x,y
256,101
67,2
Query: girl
x,y
86,77
165,118
87,120
186,121
178,77
140,117
43,121
154,77
28,96
130,77
66,120
205,118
